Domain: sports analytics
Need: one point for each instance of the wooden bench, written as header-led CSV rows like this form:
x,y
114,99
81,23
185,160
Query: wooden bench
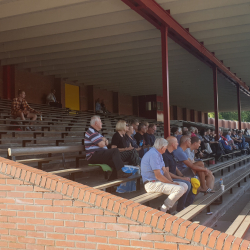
x,y
117,182
205,202
16,152
241,224
147,197
57,141
228,164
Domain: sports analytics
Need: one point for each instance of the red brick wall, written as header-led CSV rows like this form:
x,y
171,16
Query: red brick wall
x,y
42,211
125,104
1,81
83,98
35,85
105,95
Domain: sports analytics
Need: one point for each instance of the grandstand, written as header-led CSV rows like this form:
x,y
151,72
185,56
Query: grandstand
x,y
164,62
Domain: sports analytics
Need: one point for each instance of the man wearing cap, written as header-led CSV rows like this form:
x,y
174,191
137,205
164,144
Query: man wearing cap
x,y
170,162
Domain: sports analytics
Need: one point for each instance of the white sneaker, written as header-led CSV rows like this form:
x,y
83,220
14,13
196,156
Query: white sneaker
x,y
27,129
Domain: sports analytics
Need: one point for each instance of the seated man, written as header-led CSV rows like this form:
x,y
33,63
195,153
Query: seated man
x,y
149,136
156,176
135,125
98,107
20,108
242,144
175,174
139,136
51,99
98,153
230,140
189,167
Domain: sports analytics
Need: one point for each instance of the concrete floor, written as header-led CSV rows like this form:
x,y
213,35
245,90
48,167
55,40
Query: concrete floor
x,y
227,219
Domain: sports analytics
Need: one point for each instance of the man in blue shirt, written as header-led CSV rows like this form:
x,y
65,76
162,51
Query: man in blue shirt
x,y
176,175
156,176
190,168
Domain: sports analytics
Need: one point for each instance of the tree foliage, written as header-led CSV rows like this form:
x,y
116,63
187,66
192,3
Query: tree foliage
x,y
232,116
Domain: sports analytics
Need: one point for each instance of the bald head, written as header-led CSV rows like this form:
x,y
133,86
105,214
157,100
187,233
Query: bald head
x,y
171,140
172,143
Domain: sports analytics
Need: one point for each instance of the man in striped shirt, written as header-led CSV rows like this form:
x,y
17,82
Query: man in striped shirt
x,y
98,153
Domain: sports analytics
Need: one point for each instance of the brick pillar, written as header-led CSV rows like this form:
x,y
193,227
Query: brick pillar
x,y
184,114
91,101
116,102
192,118
206,118
135,105
199,116
8,81
174,112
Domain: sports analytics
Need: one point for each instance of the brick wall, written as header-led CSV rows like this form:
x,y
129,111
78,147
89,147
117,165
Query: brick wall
x,y
1,81
41,211
36,86
125,104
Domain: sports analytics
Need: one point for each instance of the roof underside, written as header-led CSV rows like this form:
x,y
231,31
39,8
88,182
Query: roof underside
x,y
105,43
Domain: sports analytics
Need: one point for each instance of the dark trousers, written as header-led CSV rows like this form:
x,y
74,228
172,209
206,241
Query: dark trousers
x,y
111,157
131,156
55,104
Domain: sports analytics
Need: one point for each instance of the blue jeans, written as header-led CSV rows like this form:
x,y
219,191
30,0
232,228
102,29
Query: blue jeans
x,y
187,198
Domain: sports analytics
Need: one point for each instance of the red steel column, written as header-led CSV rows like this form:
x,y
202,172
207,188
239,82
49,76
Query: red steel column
x,y
165,80
216,109
239,106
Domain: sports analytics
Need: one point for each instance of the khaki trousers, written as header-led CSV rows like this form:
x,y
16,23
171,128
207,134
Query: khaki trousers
x,y
174,192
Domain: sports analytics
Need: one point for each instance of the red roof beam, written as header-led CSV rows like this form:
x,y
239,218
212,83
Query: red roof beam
x,y
156,15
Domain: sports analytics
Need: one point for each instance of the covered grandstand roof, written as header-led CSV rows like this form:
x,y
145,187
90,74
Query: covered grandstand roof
x,y
107,44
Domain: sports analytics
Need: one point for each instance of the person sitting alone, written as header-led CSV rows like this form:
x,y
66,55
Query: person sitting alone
x,y
189,168
20,108
156,178
51,99
98,107
149,136
128,152
175,174
98,153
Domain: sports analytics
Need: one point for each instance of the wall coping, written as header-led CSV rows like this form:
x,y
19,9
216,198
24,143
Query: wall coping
x,y
197,234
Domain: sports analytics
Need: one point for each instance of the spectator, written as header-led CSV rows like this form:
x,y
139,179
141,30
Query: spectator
x,y
98,107
156,178
211,145
230,140
241,141
103,107
212,135
192,130
188,167
187,133
175,174
135,124
184,129
51,99
128,153
149,136
20,108
246,132
178,137
98,153
131,140
146,124
142,129
174,131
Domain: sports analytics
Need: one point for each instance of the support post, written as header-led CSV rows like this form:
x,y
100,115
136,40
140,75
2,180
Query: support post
x,y
165,80
239,106
216,109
